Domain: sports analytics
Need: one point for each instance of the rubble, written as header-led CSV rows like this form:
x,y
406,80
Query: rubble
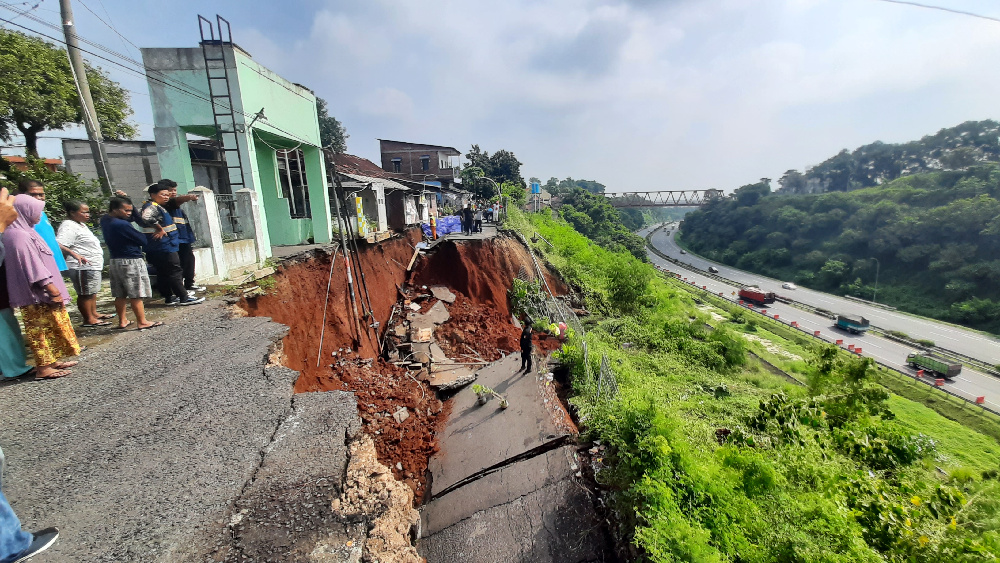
x,y
372,495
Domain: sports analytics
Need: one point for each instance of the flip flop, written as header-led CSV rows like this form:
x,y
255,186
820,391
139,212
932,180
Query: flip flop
x,y
55,374
128,323
154,325
105,316
64,365
97,324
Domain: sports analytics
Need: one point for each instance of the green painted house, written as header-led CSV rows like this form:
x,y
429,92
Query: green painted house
x,y
225,122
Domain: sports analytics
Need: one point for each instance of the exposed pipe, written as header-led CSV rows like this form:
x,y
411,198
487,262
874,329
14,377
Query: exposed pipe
x,y
326,303
361,273
347,262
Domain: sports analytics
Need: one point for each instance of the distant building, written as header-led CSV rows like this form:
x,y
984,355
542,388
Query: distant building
x,y
19,163
133,164
416,161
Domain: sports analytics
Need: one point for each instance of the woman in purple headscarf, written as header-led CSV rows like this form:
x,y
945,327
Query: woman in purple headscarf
x,y
36,287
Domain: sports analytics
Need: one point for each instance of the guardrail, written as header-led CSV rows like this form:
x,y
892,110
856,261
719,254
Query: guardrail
x,y
936,383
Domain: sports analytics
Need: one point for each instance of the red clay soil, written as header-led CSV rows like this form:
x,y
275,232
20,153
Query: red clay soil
x,y
482,271
297,301
381,389
476,332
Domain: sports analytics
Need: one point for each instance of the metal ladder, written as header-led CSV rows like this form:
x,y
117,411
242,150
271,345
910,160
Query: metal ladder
x,y
223,113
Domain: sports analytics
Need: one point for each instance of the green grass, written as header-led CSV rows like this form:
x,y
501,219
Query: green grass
x,y
958,445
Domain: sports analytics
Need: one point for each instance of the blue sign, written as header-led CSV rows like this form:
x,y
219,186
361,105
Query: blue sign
x,y
536,188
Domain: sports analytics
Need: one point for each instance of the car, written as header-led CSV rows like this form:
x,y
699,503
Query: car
x,y
788,285
683,251
713,269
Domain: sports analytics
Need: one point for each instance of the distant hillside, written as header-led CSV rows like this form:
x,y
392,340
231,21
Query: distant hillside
x,y
956,148
932,238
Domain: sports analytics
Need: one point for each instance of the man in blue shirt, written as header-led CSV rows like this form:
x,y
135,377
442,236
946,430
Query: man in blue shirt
x,y
162,245
129,278
185,234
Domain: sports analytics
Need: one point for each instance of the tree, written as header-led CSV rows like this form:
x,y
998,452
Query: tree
x,y
332,133
37,92
503,167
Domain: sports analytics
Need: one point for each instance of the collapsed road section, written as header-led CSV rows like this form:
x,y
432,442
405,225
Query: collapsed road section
x,y
490,483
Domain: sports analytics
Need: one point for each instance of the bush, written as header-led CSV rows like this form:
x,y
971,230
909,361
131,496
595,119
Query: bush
x,y
59,187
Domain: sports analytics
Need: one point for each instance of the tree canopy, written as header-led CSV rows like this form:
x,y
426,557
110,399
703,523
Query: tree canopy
x,y
502,167
332,132
557,187
37,92
953,148
932,238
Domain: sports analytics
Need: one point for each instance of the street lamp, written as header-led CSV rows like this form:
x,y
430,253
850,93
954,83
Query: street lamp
x,y
877,266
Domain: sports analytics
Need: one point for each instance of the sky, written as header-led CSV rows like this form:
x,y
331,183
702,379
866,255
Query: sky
x,y
636,94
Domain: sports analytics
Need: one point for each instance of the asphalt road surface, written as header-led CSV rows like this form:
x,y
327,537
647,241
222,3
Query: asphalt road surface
x,y
969,383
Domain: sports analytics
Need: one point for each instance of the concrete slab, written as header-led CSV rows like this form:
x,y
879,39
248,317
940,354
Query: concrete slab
x,y
502,487
481,436
553,523
443,294
437,314
450,377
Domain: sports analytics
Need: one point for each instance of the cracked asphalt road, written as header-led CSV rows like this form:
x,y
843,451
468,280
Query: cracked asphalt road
x,y
141,454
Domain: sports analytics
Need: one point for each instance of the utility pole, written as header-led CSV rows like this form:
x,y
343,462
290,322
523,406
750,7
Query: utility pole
x,y
79,71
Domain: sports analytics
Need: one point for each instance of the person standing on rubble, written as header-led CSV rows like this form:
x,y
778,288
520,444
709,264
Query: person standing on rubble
x,y
526,347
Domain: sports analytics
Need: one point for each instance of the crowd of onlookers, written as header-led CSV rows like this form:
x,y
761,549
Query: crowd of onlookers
x,y
35,259
473,215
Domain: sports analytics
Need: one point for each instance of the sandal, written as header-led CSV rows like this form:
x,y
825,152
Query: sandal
x,y
64,365
97,324
128,323
105,316
55,375
154,325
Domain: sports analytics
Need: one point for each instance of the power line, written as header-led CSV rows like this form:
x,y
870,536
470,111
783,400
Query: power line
x,y
111,27
166,81
30,9
943,9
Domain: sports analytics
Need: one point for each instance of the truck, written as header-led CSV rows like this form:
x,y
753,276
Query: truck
x,y
756,295
933,363
852,323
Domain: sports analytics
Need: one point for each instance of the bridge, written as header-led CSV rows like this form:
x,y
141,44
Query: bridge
x,y
673,198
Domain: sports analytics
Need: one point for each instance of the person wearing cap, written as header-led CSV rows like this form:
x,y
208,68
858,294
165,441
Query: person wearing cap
x,y
185,234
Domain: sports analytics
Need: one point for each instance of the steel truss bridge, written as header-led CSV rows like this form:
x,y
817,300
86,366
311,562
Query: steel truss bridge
x,y
674,198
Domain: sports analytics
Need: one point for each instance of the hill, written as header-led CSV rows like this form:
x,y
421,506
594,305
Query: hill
x,y
931,239
955,148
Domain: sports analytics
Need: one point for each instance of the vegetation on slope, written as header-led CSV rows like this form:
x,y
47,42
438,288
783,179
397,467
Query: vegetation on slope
x,y
932,239
712,459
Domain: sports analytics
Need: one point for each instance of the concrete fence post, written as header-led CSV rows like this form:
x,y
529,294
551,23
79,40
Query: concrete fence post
x,y
248,209
204,218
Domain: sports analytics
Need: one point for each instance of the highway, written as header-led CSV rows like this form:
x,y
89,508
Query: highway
x,y
969,384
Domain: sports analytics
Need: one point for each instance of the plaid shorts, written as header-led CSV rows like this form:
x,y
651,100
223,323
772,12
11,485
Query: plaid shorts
x,y
129,278
86,282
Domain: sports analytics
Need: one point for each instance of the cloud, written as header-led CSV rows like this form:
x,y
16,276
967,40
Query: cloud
x,y
637,94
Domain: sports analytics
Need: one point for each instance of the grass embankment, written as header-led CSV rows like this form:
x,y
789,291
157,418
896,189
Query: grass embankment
x,y
712,458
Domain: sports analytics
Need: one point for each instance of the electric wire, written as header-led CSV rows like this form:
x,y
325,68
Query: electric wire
x,y
182,88
25,12
942,8
110,26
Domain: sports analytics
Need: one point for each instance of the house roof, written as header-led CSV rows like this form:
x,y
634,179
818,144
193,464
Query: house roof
x,y
450,151
350,164
20,160
371,179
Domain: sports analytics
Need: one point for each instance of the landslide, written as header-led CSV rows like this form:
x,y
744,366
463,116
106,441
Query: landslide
x,y
480,273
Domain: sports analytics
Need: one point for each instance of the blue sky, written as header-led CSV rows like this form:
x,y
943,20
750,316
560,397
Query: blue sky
x,y
637,94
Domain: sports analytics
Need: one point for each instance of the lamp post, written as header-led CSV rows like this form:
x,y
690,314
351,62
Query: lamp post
x,y
423,191
877,267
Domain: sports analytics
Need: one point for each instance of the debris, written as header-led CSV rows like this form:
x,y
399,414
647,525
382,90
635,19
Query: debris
x,y
414,306
421,334
401,415
443,293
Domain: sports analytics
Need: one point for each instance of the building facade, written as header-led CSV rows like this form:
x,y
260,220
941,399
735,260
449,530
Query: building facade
x,y
225,122
420,162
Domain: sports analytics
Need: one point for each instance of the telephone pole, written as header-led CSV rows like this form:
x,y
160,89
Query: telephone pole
x,y
86,101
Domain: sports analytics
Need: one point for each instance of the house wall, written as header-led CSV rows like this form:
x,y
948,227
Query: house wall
x,y
410,154
133,164
289,120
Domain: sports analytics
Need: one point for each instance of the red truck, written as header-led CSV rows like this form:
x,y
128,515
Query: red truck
x,y
756,295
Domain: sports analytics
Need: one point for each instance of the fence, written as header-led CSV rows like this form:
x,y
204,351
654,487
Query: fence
x,y
229,217
607,383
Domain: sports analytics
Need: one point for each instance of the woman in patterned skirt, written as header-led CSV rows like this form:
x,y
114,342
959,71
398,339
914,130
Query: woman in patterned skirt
x,y
36,287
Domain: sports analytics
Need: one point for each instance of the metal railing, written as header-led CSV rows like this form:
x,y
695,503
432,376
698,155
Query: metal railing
x,y
607,383
230,219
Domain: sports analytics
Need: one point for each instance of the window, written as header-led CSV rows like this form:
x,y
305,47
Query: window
x,y
397,164
425,162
